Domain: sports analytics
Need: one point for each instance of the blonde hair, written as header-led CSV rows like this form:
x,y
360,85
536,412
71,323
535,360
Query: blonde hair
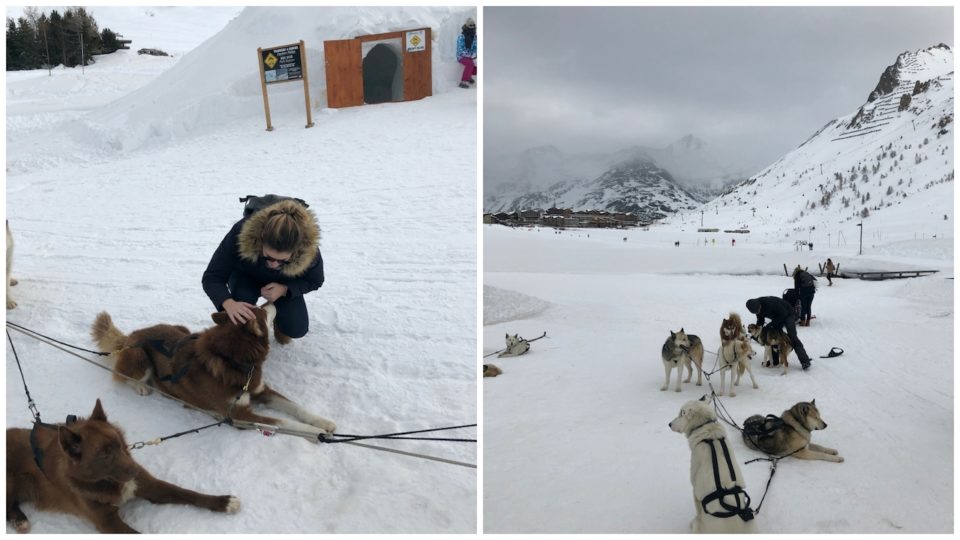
x,y
281,231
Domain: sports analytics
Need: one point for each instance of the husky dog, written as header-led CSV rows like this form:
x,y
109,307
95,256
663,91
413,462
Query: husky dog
x,y
680,350
11,303
735,354
731,328
84,468
719,495
516,346
219,369
772,337
789,433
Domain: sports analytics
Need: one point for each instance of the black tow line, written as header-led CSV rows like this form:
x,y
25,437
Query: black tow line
x,y
32,406
24,329
344,437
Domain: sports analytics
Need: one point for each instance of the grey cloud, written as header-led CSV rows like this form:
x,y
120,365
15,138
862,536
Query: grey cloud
x,y
751,81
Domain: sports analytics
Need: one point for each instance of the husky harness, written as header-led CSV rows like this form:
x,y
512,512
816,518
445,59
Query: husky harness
x,y
742,507
37,451
757,430
161,347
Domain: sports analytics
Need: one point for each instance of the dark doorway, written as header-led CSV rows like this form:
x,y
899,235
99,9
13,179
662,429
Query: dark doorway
x,y
379,72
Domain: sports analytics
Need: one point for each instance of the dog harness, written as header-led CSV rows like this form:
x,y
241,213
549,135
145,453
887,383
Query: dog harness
x,y
742,507
161,347
35,447
763,429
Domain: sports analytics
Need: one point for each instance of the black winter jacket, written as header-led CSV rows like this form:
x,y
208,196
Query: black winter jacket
x,y
775,309
240,250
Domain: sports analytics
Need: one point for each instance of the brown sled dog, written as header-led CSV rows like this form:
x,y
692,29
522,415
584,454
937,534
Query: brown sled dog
x,y
731,329
207,370
87,471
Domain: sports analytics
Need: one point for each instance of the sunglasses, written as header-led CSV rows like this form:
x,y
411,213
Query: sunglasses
x,y
280,262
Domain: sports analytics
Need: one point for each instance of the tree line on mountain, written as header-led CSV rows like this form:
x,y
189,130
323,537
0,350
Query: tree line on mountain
x,y
36,40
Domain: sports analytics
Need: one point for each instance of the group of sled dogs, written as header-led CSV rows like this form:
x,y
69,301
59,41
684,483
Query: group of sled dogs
x,y
719,490
682,350
84,466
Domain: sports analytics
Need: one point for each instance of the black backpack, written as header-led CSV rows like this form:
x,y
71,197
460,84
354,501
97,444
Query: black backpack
x,y
253,203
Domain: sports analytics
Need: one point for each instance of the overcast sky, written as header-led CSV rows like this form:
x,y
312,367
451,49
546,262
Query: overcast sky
x,y
753,82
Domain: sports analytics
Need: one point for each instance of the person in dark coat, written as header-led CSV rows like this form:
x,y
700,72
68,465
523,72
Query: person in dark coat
x,y
806,287
781,315
274,253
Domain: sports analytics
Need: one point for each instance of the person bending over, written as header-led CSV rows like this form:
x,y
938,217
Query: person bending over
x,y
781,315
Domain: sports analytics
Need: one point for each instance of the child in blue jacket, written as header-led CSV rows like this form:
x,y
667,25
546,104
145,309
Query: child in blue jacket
x,y
467,52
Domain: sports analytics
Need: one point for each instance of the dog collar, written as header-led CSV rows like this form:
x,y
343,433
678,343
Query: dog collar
x,y
703,424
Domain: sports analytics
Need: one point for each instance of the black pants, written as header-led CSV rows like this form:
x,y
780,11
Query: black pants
x,y
291,318
790,325
806,300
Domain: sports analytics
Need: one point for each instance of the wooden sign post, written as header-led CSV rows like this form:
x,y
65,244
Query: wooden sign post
x,y
284,63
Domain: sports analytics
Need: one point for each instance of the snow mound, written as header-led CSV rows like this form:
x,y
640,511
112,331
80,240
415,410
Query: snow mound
x,y
501,305
218,82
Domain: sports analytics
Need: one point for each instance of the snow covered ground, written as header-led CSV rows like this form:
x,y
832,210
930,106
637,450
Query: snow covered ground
x,y
575,431
130,229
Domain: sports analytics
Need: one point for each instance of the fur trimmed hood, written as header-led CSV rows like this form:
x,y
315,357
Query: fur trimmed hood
x,y
250,245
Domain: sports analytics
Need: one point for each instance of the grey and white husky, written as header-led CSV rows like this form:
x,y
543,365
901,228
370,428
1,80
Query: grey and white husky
x,y
679,350
791,433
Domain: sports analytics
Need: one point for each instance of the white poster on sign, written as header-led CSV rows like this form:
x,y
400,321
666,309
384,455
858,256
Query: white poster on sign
x,y
416,41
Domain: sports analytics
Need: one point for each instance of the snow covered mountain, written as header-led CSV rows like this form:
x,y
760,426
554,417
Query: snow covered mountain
x,y
890,161
543,176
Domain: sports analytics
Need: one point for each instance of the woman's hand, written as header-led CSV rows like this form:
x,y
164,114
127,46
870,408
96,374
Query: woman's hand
x,y
272,291
239,312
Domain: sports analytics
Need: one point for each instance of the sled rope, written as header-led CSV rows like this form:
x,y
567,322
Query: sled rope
x,y
327,438
16,326
31,405
240,424
527,340
54,343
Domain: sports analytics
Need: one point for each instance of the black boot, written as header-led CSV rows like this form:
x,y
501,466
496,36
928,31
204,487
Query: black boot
x,y
805,364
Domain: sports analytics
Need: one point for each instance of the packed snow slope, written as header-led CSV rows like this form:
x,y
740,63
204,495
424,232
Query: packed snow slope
x,y
224,78
575,431
392,341
886,164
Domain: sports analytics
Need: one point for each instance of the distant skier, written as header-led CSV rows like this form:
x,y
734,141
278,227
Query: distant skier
x,y
733,242
467,52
